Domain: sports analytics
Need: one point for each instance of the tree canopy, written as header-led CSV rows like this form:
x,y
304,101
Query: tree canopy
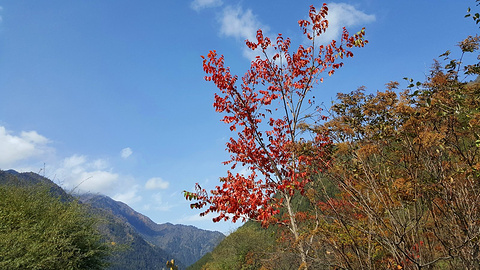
x,y
387,180
265,109
39,231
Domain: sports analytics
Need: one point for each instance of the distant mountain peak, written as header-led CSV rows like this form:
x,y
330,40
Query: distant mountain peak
x,y
161,242
185,242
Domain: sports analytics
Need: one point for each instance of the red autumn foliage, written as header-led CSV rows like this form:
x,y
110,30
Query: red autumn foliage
x,y
264,107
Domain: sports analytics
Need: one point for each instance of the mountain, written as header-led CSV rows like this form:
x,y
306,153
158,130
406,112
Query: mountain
x,y
12,177
186,243
130,249
137,242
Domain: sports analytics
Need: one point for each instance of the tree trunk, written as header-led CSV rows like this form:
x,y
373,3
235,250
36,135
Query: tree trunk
x,y
294,229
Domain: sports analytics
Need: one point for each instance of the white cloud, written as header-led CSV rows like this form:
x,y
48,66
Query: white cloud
x,y
238,23
34,137
343,15
15,148
73,161
96,181
126,152
201,4
156,183
81,174
73,164
24,152
130,196
242,25
160,205
77,173
100,164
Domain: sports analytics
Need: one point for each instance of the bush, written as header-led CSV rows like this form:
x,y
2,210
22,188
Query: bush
x,y
39,231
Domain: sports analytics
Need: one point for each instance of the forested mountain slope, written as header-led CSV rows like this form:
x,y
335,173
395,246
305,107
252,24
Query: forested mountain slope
x,y
136,242
186,243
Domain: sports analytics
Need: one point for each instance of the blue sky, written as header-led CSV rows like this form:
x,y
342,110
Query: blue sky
x,y
109,97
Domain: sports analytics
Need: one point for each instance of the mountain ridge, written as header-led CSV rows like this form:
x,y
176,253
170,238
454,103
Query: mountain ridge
x,y
185,242
148,244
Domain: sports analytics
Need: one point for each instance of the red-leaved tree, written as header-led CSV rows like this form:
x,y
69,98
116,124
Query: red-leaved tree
x,y
265,108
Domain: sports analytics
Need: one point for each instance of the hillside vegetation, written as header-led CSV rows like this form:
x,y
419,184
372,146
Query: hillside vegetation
x,y
185,244
40,231
110,234
386,180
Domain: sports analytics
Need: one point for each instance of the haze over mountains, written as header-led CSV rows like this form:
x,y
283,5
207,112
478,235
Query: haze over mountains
x,y
186,243
139,243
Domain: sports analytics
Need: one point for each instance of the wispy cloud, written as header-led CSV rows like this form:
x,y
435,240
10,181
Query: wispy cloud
x,y
343,15
201,4
160,204
242,25
234,22
156,202
156,183
16,148
126,152
78,173
22,151
84,175
196,217
130,196
237,23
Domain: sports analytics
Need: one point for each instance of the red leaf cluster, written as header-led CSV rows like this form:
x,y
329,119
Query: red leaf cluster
x,y
265,109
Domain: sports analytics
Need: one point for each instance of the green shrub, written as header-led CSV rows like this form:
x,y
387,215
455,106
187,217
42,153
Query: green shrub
x,y
38,231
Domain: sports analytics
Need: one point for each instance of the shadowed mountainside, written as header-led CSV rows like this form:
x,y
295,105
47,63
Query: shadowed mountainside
x,y
187,243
